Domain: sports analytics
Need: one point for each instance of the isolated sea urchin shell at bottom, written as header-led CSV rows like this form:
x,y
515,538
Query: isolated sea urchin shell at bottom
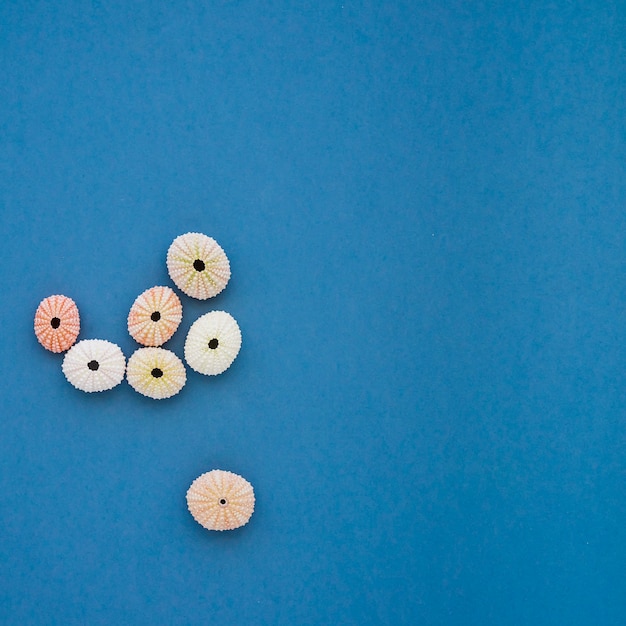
x,y
156,373
57,323
220,500
155,316
94,365
213,343
198,265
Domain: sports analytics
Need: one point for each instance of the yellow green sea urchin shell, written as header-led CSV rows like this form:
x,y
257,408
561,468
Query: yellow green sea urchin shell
x,y
156,373
198,265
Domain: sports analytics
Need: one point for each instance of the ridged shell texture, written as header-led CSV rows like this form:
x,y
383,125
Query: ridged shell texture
x,y
213,342
94,365
155,316
57,323
198,265
156,373
220,500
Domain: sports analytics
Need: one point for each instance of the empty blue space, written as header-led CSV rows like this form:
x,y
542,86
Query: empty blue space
x,y
423,204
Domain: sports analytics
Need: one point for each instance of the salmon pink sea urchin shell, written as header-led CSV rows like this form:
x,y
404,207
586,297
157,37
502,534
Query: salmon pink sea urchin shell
x,y
155,316
57,323
220,500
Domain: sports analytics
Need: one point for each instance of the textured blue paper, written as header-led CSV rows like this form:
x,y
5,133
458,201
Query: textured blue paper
x,y
424,208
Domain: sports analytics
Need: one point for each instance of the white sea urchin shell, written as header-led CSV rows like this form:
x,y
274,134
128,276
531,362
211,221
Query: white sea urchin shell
x,y
212,343
156,373
220,500
94,365
198,265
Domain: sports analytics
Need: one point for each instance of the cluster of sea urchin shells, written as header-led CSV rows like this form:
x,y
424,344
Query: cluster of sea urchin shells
x,y
199,267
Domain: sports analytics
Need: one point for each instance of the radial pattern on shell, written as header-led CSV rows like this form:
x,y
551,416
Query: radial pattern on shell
x,y
94,365
156,373
221,500
155,316
213,343
198,265
57,323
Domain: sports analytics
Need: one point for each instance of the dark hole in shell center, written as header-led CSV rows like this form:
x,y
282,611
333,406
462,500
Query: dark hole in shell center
x,y
213,343
223,501
157,373
55,322
199,265
93,365
156,316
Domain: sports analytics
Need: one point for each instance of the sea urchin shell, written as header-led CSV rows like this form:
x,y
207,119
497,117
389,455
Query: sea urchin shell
x,y
94,365
220,500
156,373
57,323
212,343
198,265
155,316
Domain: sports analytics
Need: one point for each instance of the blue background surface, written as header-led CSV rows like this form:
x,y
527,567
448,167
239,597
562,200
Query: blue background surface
x,y
423,206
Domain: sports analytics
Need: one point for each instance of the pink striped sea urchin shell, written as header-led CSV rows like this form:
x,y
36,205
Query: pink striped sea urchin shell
x,y
57,323
198,265
220,500
155,316
156,372
94,365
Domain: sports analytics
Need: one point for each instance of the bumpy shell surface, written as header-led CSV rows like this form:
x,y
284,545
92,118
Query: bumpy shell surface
x,y
198,265
155,316
94,365
57,323
212,343
156,373
220,500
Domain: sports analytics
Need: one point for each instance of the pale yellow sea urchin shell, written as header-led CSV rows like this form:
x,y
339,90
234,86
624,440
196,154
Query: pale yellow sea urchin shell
x,y
155,316
156,373
94,365
198,265
220,500
212,343
57,323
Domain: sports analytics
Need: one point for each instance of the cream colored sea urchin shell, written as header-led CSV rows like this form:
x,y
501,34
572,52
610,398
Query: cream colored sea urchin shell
x,y
220,500
198,265
212,343
94,365
57,323
156,373
155,316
